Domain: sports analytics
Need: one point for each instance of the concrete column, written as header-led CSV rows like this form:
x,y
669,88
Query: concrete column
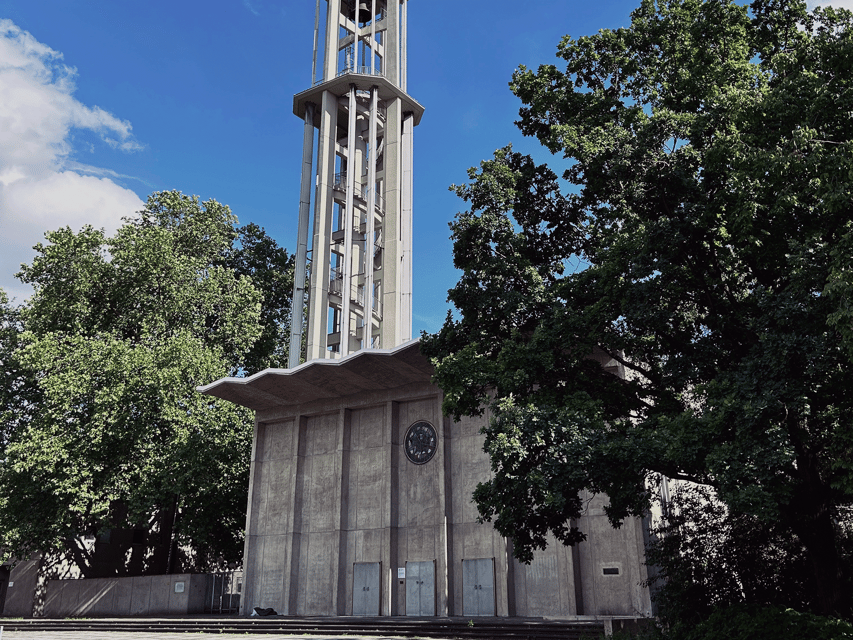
x,y
392,43
249,546
371,217
355,39
404,28
333,21
323,203
316,37
391,602
404,276
391,262
372,37
444,496
290,596
352,168
342,604
302,238
445,580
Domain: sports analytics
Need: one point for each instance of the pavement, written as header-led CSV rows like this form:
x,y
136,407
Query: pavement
x,y
139,635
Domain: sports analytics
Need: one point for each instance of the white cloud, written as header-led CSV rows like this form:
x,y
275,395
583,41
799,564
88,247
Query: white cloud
x,y
41,188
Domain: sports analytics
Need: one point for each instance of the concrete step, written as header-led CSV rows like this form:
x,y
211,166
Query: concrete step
x,y
509,628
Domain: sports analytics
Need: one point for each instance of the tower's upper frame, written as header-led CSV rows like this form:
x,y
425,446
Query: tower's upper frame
x,y
356,271
367,37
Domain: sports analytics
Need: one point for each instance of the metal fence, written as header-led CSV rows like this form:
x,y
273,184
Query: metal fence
x,y
224,591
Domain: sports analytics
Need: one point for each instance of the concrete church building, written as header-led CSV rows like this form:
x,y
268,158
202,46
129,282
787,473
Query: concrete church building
x,y
360,491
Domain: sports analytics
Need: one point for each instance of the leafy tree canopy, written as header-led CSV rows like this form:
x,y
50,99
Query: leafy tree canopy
x,y
700,243
117,335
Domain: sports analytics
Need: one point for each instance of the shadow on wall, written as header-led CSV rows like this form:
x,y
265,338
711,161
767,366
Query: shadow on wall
x,y
176,594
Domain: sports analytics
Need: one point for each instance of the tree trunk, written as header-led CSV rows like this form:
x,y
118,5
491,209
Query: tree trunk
x,y
817,533
810,518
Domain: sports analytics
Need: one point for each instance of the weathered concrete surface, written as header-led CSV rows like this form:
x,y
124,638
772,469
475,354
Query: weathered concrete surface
x,y
177,594
19,595
331,487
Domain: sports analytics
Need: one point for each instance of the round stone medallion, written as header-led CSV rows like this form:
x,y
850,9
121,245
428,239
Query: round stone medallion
x,y
421,442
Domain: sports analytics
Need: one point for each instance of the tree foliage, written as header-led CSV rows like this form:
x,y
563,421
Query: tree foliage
x,y
706,557
113,343
699,241
259,257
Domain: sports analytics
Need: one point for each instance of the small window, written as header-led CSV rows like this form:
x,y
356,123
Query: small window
x,y
611,571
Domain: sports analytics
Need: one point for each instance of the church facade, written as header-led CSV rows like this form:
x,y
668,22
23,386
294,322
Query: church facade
x,y
360,497
353,510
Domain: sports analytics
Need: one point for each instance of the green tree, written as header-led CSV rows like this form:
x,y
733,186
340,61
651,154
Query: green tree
x,y
701,244
117,335
259,257
18,392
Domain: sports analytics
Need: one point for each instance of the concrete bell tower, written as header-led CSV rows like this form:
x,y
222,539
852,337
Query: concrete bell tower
x,y
357,156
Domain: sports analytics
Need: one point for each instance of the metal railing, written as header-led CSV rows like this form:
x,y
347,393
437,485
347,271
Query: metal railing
x,y
336,281
224,592
357,294
361,70
341,185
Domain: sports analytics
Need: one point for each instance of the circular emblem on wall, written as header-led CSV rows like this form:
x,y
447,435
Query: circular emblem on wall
x,y
421,442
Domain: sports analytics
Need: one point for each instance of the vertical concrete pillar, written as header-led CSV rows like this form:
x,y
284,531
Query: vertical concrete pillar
x,y
341,604
444,496
297,489
323,204
249,577
404,274
349,220
392,42
302,238
392,227
370,231
404,37
333,19
316,36
444,580
372,37
391,601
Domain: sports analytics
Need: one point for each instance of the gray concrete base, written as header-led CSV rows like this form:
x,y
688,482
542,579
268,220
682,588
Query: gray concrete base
x,y
332,488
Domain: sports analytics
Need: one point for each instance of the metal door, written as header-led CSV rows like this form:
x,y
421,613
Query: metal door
x,y
365,588
420,588
478,587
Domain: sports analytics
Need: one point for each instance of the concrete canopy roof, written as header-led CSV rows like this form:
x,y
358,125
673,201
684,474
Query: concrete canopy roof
x,y
363,371
364,81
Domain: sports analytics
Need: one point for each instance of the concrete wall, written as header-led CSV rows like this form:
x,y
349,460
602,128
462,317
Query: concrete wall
x,y
608,548
331,486
139,596
22,586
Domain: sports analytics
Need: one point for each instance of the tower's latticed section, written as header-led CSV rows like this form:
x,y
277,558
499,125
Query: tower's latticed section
x,y
357,154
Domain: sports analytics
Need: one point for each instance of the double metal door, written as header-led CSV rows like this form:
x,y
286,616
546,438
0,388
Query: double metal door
x,y
420,588
365,588
478,587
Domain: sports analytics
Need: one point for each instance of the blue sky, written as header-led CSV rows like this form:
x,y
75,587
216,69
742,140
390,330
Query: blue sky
x,y
102,103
